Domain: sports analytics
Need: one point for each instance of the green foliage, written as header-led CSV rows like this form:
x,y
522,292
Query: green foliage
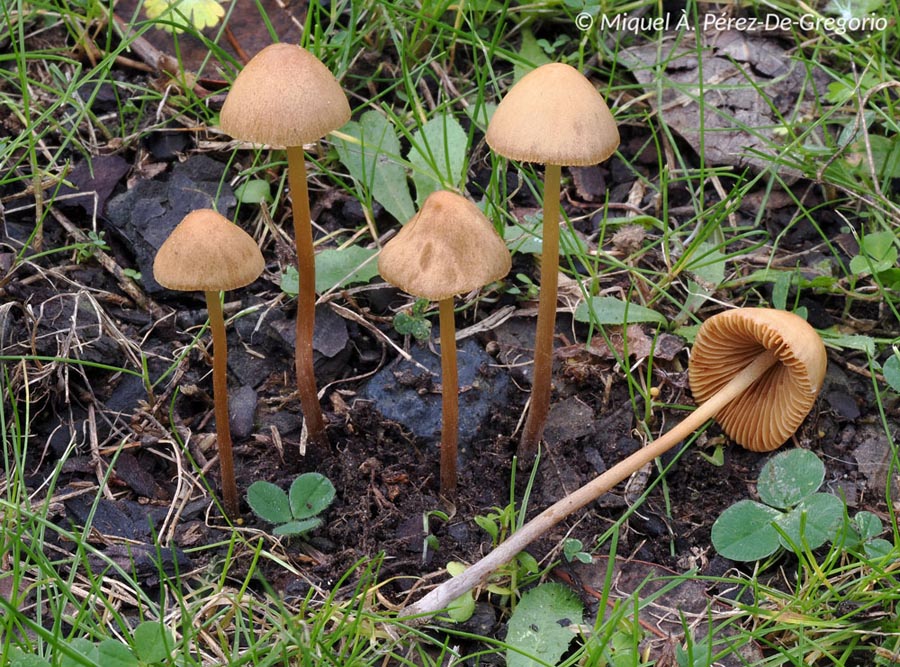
x,y
414,323
151,644
612,310
891,370
861,536
370,150
878,256
573,549
296,512
438,156
254,191
795,515
543,624
336,268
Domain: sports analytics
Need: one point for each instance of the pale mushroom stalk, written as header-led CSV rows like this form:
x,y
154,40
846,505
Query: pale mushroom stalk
x,y
546,320
306,297
220,399
449,397
478,573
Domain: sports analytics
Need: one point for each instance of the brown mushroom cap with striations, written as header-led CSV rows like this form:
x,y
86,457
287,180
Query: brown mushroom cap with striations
x,y
207,252
284,96
449,247
769,412
553,115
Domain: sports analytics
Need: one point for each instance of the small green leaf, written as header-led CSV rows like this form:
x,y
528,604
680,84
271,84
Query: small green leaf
x,y
152,641
346,266
18,658
302,527
877,253
611,310
878,548
438,156
539,629
290,281
867,524
789,477
83,647
891,370
856,342
408,325
254,191
461,609
310,494
744,531
113,653
370,152
531,55
269,502
811,523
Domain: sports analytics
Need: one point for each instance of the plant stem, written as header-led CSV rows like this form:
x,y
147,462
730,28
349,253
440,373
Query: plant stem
x,y
306,297
546,322
449,398
478,573
220,398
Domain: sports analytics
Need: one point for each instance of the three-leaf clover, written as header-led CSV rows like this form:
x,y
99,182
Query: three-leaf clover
x,y
295,512
795,515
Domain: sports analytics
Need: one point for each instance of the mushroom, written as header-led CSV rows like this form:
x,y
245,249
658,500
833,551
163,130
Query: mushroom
x,y
449,247
755,370
553,115
207,253
286,97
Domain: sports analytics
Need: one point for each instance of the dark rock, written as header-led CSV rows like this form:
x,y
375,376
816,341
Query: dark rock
x,y
404,393
242,411
569,420
145,215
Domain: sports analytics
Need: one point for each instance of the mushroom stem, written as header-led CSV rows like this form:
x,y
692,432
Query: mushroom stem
x,y
306,297
546,321
449,398
220,398
478,573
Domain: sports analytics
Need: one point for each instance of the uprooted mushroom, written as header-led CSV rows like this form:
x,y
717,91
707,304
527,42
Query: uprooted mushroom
x,y
757,371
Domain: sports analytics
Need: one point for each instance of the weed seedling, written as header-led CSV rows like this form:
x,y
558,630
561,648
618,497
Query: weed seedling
x,y
296,512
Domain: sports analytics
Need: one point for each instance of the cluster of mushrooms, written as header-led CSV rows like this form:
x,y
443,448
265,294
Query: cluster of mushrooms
x,y
756,371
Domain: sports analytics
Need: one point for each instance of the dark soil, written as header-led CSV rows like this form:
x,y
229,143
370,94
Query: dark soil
x,y
386,476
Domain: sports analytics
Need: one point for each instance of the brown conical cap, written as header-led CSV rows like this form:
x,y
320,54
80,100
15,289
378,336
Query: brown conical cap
x,y
768,413
207,252
284,96
449,247
553,115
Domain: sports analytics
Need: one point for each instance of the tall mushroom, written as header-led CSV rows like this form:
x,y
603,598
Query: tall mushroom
x,y
757,371
555,116
207,253
286,97
449,247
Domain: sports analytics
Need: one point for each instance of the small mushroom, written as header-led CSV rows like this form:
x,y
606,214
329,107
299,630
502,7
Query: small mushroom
x,y
207,253
449,247
286,97
555,116
755,370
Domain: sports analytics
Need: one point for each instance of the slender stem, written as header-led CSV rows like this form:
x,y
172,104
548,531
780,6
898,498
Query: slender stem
x,y
220,397
546,321
306,297
475,575
449,398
